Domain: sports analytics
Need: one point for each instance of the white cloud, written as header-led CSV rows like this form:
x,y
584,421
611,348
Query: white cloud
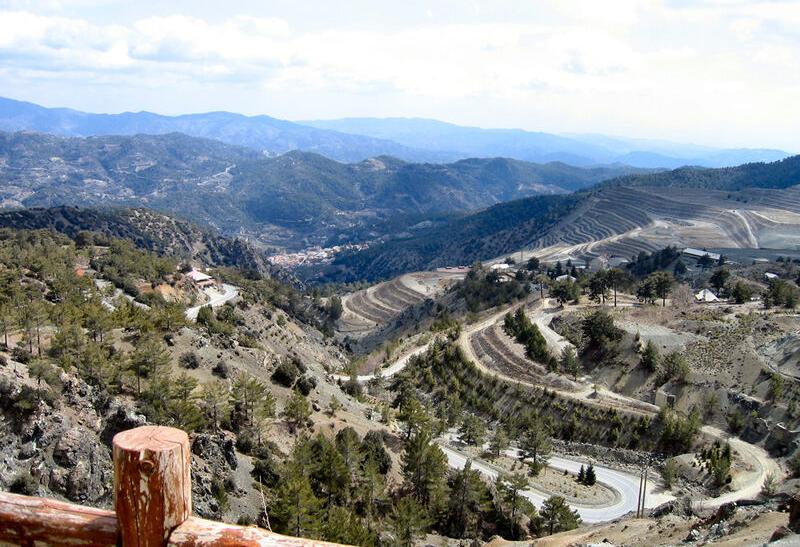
x,y
653,67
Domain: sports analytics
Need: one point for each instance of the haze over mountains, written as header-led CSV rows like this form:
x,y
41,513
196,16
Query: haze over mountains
x,y
356,139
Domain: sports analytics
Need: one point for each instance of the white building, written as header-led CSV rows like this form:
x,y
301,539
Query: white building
x,y
706,296
700,253
201,279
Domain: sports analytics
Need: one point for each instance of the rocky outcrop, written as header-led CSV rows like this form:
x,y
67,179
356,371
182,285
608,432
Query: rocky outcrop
x,y
213,462
83,470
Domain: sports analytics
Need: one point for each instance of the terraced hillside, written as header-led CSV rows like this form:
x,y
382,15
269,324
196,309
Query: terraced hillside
x,y
622,221
379,305
751,206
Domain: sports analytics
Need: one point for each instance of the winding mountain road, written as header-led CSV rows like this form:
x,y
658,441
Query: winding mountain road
x,y
216,299
625,485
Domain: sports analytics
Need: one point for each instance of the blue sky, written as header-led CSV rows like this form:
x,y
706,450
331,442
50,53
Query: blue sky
x,y
720,72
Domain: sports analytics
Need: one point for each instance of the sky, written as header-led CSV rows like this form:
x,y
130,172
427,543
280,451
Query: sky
x,y
716,72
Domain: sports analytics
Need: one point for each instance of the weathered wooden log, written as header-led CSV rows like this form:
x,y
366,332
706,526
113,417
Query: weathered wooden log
x,y
152,484
37,521
197,532
153,503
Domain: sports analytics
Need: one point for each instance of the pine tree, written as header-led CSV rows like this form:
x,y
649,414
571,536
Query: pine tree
x,y
184,407
334,406
582,475
147,359
424,466
472,430
329,473
467,499
557,516
408,521
510,491
650,358
296,510
591,478
214,397
536,446
498,443
569,362
296,412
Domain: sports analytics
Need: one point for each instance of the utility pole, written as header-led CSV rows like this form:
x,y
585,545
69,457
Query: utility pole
x,y
644,489
639,497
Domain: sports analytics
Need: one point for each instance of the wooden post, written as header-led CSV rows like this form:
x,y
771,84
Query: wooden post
x,y
152,484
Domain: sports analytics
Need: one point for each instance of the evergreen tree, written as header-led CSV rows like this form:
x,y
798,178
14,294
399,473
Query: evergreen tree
x,y
296,510
557,516
373,452
599,287
472,430
618,279
591,477
468,497
719,279
512,502
186,413
149,357
582,475
408,521
569,362
424,466
343,526
535,445
297,411
214,397
662,285
499,442
741,292
650,358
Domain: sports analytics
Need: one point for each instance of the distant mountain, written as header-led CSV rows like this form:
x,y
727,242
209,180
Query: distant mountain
x,y
750,206
262,133
294,200
582,150
357,139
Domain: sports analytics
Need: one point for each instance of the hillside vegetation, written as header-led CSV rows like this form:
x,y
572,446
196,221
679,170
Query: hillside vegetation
x,y
148,230
754,205
294,200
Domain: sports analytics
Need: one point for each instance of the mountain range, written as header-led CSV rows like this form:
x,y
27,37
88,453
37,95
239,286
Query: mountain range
x,y
357,139
749,206
290,201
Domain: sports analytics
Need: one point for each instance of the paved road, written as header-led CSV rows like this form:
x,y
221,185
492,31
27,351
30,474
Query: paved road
x,y
216,299
625,485
391,370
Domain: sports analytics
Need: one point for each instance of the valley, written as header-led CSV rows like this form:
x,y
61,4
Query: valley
x,y
484,350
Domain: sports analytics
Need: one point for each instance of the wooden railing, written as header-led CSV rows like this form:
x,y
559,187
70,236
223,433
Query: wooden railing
x,y
152,502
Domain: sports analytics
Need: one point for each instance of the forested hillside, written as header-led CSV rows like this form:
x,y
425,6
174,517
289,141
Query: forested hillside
x,y
499,229
148,230
294,200
622,216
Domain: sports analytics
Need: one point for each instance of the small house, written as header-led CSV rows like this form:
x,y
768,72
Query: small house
x,y
706,296
201,279
697,254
